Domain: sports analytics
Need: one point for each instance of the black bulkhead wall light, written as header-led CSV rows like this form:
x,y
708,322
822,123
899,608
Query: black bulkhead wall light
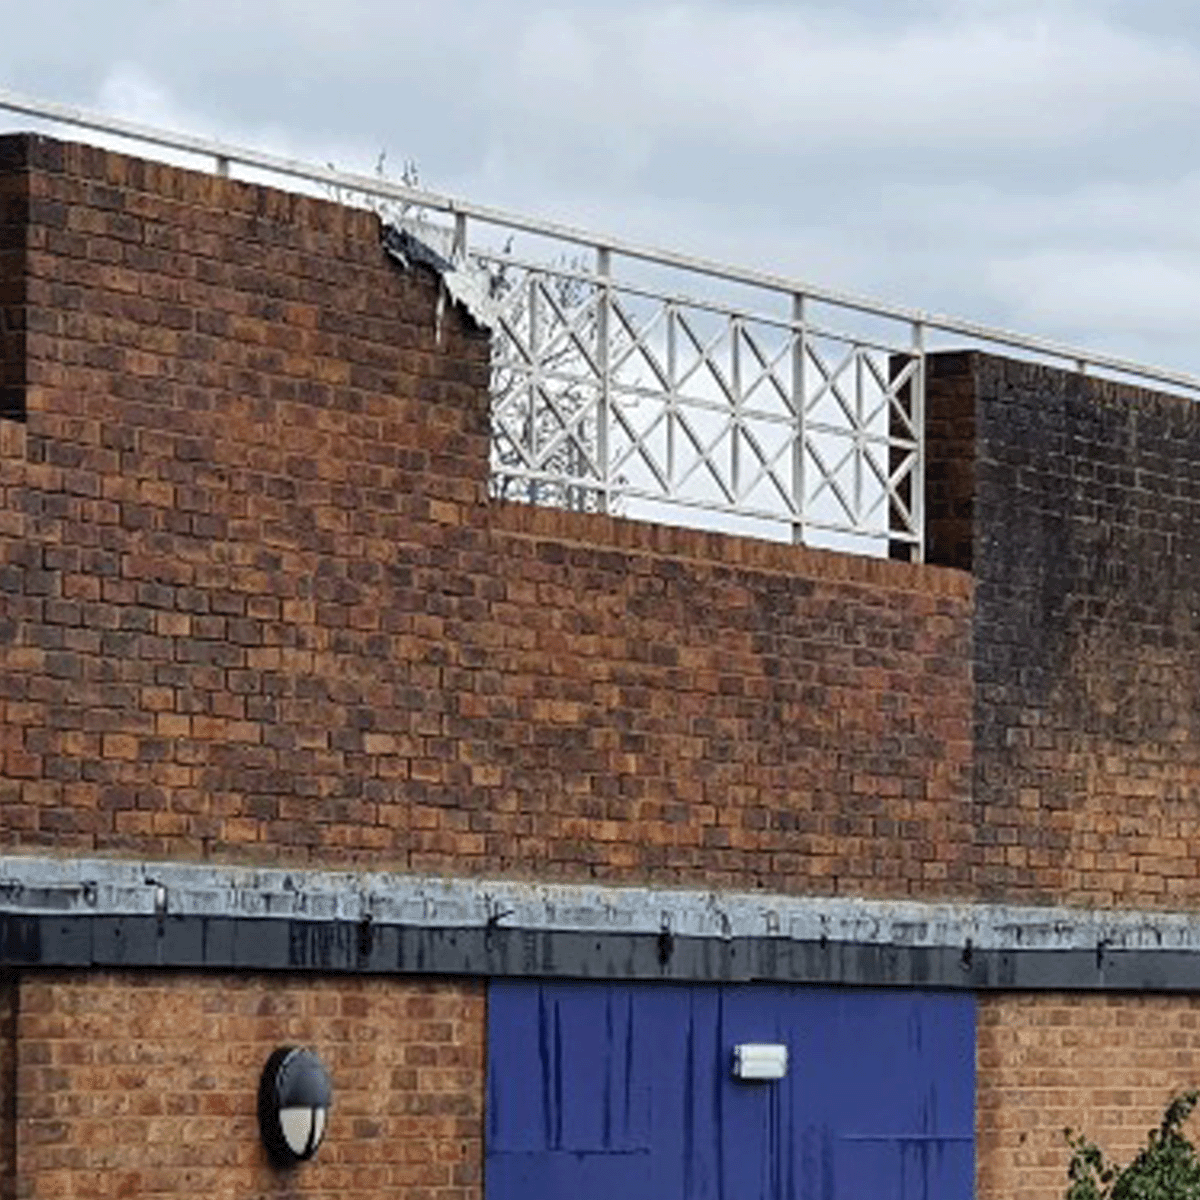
x,y
294,1098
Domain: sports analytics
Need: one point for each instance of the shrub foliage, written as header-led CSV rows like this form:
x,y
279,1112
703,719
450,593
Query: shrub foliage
x,y
1167,1168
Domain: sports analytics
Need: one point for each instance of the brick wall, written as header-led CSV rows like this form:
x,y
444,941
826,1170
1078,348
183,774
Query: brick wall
x,y
258,607
8,1086
1105,1066
1086,523
950,432
146,1085
14,223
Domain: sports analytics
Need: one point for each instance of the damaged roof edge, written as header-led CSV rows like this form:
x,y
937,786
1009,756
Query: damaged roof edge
x,y
409,246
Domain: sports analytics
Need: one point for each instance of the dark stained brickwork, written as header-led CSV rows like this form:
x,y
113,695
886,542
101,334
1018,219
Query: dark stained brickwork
x,y
950,461
258,607
14,227
1086,544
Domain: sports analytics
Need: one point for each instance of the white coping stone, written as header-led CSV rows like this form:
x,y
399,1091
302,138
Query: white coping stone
x,y
49,886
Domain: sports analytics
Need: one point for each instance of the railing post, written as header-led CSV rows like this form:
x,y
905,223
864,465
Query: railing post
x,y
535,384
735,424
917,504
672,390
604,399
860,438
800,413
222,166
458,248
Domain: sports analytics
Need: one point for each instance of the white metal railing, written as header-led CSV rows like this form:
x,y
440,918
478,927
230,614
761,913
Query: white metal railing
x,y
635,380
618,396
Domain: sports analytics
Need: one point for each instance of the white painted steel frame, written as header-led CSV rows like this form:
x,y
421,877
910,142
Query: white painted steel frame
x,y
762,417
580,461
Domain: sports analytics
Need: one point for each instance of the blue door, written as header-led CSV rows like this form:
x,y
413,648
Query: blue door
x,y
603,1090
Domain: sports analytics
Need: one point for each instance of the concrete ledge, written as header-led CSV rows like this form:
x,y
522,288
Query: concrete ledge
x,y
102,913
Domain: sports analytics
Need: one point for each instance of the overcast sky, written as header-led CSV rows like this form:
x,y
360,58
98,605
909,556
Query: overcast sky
x,y
1030,163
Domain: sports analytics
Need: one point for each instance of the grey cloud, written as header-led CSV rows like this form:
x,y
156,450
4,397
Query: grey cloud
x,y
1022,161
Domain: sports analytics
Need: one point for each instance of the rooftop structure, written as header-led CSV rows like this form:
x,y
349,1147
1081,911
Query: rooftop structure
x,y
653,384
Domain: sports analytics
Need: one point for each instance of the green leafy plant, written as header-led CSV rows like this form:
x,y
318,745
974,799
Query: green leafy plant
x,y
1167,1168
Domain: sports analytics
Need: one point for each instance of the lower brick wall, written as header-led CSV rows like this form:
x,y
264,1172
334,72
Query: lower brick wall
x,y
145,1085
8,1088
1104,1065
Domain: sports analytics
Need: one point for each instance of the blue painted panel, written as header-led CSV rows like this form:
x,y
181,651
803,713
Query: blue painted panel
x,y
598,1090
568,1070
569,1176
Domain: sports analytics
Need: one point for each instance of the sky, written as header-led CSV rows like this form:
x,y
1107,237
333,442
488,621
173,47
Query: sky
x,y
1033,164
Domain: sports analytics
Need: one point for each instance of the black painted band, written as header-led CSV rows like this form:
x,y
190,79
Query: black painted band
x,y
274,944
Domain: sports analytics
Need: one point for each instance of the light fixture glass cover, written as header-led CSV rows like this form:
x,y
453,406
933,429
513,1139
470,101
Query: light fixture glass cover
x,y
760,1060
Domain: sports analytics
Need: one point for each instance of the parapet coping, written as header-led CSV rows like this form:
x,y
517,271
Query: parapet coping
x,y
106,914
107,887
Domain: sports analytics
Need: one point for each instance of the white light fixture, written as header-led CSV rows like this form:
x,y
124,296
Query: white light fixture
x,y
759,1060
294,1097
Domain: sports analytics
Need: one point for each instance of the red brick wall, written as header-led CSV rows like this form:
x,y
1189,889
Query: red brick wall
x,y
1105,1066
698,708
257,605
8,1086
146,1085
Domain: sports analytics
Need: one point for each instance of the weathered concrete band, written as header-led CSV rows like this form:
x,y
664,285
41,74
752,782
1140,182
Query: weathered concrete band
x,y
98,912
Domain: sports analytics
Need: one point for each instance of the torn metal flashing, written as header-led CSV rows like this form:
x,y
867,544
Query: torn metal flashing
x,y
413,244
100,912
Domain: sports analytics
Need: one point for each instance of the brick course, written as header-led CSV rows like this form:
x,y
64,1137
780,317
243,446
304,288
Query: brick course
x,y
258,607
146,1085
